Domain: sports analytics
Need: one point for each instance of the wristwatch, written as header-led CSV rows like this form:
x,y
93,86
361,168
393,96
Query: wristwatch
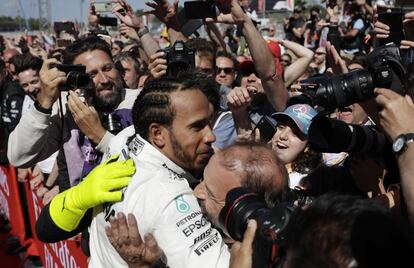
x,y
401,142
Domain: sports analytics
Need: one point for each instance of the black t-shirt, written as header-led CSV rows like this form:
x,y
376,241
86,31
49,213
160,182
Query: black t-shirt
x,y
12,98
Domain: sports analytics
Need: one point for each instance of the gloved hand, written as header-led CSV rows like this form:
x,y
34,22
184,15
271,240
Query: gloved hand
x,y
103,184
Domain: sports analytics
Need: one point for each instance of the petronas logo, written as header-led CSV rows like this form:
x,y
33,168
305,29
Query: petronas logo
x,y
181,204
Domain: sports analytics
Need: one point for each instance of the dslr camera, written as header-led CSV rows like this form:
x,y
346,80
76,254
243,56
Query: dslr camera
x,y
242,205
385,69
76,76
179,58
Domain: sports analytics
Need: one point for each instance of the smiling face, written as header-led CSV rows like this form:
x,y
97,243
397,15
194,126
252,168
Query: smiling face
x,y
190,136
106,79
288,142
29,80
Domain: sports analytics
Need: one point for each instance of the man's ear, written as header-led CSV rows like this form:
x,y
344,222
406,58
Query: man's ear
x,y
157,135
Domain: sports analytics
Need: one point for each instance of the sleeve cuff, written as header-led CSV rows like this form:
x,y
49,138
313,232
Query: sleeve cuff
x,y
104,142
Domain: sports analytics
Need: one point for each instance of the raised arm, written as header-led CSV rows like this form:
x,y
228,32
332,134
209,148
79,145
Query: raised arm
x,y
263,60
298,67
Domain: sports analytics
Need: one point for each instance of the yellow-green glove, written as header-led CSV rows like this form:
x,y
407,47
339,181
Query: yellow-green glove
x,y
103,184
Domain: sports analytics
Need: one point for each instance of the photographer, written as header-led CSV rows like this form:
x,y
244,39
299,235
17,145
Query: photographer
x,y
40,133
238,163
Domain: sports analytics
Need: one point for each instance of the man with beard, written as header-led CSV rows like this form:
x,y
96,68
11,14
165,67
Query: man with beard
x,y
80,132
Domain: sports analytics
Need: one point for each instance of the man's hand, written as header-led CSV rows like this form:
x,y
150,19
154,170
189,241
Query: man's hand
x,y
126,239
242,252
158,65
238,99
93,19
50,80
126,14
230,13
22,174
165,12
396,116
48,196
128,32
335,61
86,117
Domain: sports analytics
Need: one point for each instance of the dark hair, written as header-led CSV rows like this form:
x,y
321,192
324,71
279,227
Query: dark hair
x,y
119,43
260,170
83,45
127,56
201,46
23,62
227,55
339,230
153,104
326,179
306,161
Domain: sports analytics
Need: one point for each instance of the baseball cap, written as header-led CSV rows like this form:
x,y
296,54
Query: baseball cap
x,y
247,67
301,114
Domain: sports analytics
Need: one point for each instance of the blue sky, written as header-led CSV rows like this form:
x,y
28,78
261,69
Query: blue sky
x,y
61,9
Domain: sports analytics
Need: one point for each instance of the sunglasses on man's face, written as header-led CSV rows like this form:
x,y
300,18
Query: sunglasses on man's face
x,y
226,70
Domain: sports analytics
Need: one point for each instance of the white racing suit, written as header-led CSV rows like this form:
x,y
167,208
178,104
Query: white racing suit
x,y
160,198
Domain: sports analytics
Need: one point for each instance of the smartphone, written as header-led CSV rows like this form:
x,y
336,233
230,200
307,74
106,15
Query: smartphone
x,y
200,9
267,128
66,26
395,21
108,21
102,7
63,42
188,26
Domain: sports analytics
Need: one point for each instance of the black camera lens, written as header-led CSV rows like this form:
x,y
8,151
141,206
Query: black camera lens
x,y
335,136
345,89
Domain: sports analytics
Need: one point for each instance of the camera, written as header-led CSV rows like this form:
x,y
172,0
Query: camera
x,y
385,69
112,123
76,76
179,58
335,136
242,205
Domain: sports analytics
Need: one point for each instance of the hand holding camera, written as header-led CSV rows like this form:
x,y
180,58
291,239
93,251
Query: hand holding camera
x,y
242,252
50,79
165,12
396,115
86,118
158,65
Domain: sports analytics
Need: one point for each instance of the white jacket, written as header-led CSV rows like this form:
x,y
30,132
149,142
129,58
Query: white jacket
x,y
160,198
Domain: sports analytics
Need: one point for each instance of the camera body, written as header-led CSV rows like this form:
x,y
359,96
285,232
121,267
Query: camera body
x,y
76,76
179,58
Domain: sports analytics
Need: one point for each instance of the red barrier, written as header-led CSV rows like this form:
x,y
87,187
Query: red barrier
x,y
11,205
65,254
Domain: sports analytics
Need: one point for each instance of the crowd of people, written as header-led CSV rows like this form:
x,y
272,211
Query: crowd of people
x,y
135,140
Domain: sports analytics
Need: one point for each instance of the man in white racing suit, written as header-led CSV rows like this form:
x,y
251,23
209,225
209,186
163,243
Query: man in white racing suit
x,y
171,141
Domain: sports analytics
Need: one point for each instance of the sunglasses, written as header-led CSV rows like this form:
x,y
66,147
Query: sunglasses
x,y
226,70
